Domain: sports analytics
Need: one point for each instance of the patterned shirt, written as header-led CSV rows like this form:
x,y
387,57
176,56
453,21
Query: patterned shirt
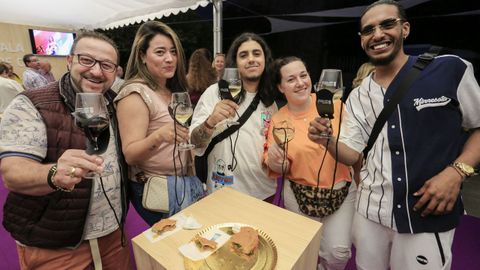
x,y
422,137
33,79
23,134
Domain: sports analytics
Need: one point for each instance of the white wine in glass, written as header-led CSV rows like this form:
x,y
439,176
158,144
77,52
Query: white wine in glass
x,y
181,110
184,117
235,90
231,79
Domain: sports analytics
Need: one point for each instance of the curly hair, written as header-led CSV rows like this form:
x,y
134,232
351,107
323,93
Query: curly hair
x,y
265,89
200,73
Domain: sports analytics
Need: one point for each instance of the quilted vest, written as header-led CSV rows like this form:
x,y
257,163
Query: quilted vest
x,y
55,220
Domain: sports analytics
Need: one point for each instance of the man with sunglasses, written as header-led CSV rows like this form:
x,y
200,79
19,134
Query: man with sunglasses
x,y
59,219
408,202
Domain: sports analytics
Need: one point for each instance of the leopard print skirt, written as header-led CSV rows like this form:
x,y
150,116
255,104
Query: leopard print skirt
x,y
319,202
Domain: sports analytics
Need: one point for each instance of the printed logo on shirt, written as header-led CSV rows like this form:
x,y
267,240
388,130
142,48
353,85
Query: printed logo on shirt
x,y
422,260
266,118
421,103
218,176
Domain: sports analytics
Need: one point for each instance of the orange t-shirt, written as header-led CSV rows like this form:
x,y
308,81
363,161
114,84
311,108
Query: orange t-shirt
x,y
305,156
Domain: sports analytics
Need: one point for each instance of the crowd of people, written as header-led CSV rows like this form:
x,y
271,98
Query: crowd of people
x,y
37,74
398,203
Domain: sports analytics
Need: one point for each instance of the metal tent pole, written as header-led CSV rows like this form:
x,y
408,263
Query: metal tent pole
x,y
217,26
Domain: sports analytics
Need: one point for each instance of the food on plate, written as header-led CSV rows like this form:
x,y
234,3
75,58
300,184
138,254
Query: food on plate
x,y
164,225
203,243
245,242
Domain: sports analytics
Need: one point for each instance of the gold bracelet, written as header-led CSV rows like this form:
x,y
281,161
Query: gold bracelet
x,y
458,171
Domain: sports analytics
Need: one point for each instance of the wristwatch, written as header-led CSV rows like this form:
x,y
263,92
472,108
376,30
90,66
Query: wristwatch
x,y
466,169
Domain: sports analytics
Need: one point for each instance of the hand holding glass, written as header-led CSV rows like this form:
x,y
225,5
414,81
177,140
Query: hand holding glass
x,y
283,132
91,115
181,110
232,78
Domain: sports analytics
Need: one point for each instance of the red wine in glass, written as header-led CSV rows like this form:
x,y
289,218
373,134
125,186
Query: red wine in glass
x,y
91,115
94,128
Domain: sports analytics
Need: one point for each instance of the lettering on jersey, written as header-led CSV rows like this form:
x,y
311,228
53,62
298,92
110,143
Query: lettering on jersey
x,y
421,103
422,260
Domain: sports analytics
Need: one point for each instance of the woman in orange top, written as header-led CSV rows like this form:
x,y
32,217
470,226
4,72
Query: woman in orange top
x,y
318,186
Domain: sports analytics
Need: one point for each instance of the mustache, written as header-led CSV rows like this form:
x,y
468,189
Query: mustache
x,y
89,76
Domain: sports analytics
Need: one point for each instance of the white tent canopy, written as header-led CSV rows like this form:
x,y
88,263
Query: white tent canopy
x,y
90,14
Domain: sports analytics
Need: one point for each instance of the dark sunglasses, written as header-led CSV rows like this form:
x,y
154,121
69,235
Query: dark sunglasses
x,y
384,25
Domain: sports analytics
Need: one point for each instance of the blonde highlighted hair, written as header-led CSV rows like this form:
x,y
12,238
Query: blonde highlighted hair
x,y
363,71
137,72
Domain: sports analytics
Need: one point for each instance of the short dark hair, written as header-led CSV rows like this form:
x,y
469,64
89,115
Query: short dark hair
x,y
3,68
276,75
264,86
26,58
277,65
400,10
94,35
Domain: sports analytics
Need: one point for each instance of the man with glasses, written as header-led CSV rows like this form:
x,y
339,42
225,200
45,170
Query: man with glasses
x,y
408,202
32,76
58,219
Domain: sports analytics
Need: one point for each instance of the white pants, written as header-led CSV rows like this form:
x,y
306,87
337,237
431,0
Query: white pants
x,y
379,247
335,242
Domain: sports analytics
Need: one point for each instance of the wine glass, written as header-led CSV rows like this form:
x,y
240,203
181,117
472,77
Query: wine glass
x,y
330,82
91,115
283,132
181,110
230,87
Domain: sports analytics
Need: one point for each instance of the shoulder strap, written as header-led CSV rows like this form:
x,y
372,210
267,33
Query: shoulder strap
x,y
422,61
230,130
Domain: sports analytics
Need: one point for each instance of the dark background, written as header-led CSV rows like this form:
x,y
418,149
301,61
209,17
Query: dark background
x,y
332,46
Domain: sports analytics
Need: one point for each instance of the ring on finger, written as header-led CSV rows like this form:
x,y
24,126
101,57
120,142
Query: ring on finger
x,y
72,172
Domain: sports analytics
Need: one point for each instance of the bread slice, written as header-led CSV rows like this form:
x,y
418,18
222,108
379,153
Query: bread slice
x,y
204,243
164,225
245,241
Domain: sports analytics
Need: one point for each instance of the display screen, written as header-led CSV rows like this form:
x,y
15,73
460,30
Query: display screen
x,y
50,42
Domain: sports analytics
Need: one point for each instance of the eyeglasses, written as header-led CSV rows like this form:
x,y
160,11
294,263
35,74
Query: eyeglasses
x,y
384,25
88,61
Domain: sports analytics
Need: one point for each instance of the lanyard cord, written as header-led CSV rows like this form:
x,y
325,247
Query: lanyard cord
x,y
179,203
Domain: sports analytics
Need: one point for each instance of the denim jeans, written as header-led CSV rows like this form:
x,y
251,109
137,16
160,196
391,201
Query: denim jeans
x,y
177,200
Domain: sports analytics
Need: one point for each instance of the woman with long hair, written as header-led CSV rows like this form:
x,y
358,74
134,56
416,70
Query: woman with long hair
x,y
200,74
155,70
